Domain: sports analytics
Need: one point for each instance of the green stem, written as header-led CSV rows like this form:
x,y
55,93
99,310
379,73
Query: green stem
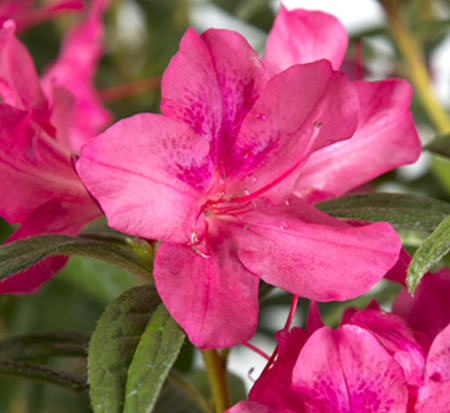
x,y
415,67
217,379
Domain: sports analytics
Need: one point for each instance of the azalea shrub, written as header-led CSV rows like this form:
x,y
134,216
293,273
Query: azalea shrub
x,y
177,196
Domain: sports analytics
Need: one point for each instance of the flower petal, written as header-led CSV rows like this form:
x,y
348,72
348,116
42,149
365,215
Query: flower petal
x,y
433,398
74,70
34,168
213,298
300,110
148,174
438,360
397,338
225,76
347,370
310,254
274,386
302,36
19,82
386,138
373,378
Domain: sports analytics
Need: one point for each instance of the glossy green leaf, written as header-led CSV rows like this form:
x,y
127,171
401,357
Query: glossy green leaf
x,y
23,253
157,350
430,252
44,374
45,344
114,344
402,211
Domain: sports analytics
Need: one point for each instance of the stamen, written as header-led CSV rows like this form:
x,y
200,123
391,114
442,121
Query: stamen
x,y
249,375
317,126
291,312
256,350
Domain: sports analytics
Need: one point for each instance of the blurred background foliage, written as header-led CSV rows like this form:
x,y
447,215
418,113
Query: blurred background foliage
x,y
141,37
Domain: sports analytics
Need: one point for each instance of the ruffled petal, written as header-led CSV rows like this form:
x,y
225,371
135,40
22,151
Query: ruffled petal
x,y
302,36
225,76
19,82
34,168
438,360
348,371
213,298
317,377
386,138
300,110
274,387
148,173
374,380
397,338
433,398
310,254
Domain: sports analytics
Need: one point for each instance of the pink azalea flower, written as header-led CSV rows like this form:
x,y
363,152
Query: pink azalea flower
x,y
343,370
426,368
213,179
25,15
38,137
372,362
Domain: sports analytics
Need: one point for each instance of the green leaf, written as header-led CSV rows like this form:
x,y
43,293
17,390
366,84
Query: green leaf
x,y
402,211
46,344
22,254
44,374
154,357
114,344
430,252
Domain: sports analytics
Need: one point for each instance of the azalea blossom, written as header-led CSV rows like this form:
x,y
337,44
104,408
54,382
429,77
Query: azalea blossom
x,y
373,362
343,370
39,122
216,179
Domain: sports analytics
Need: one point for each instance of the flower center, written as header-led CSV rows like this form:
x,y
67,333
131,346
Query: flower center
x,y
235,205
